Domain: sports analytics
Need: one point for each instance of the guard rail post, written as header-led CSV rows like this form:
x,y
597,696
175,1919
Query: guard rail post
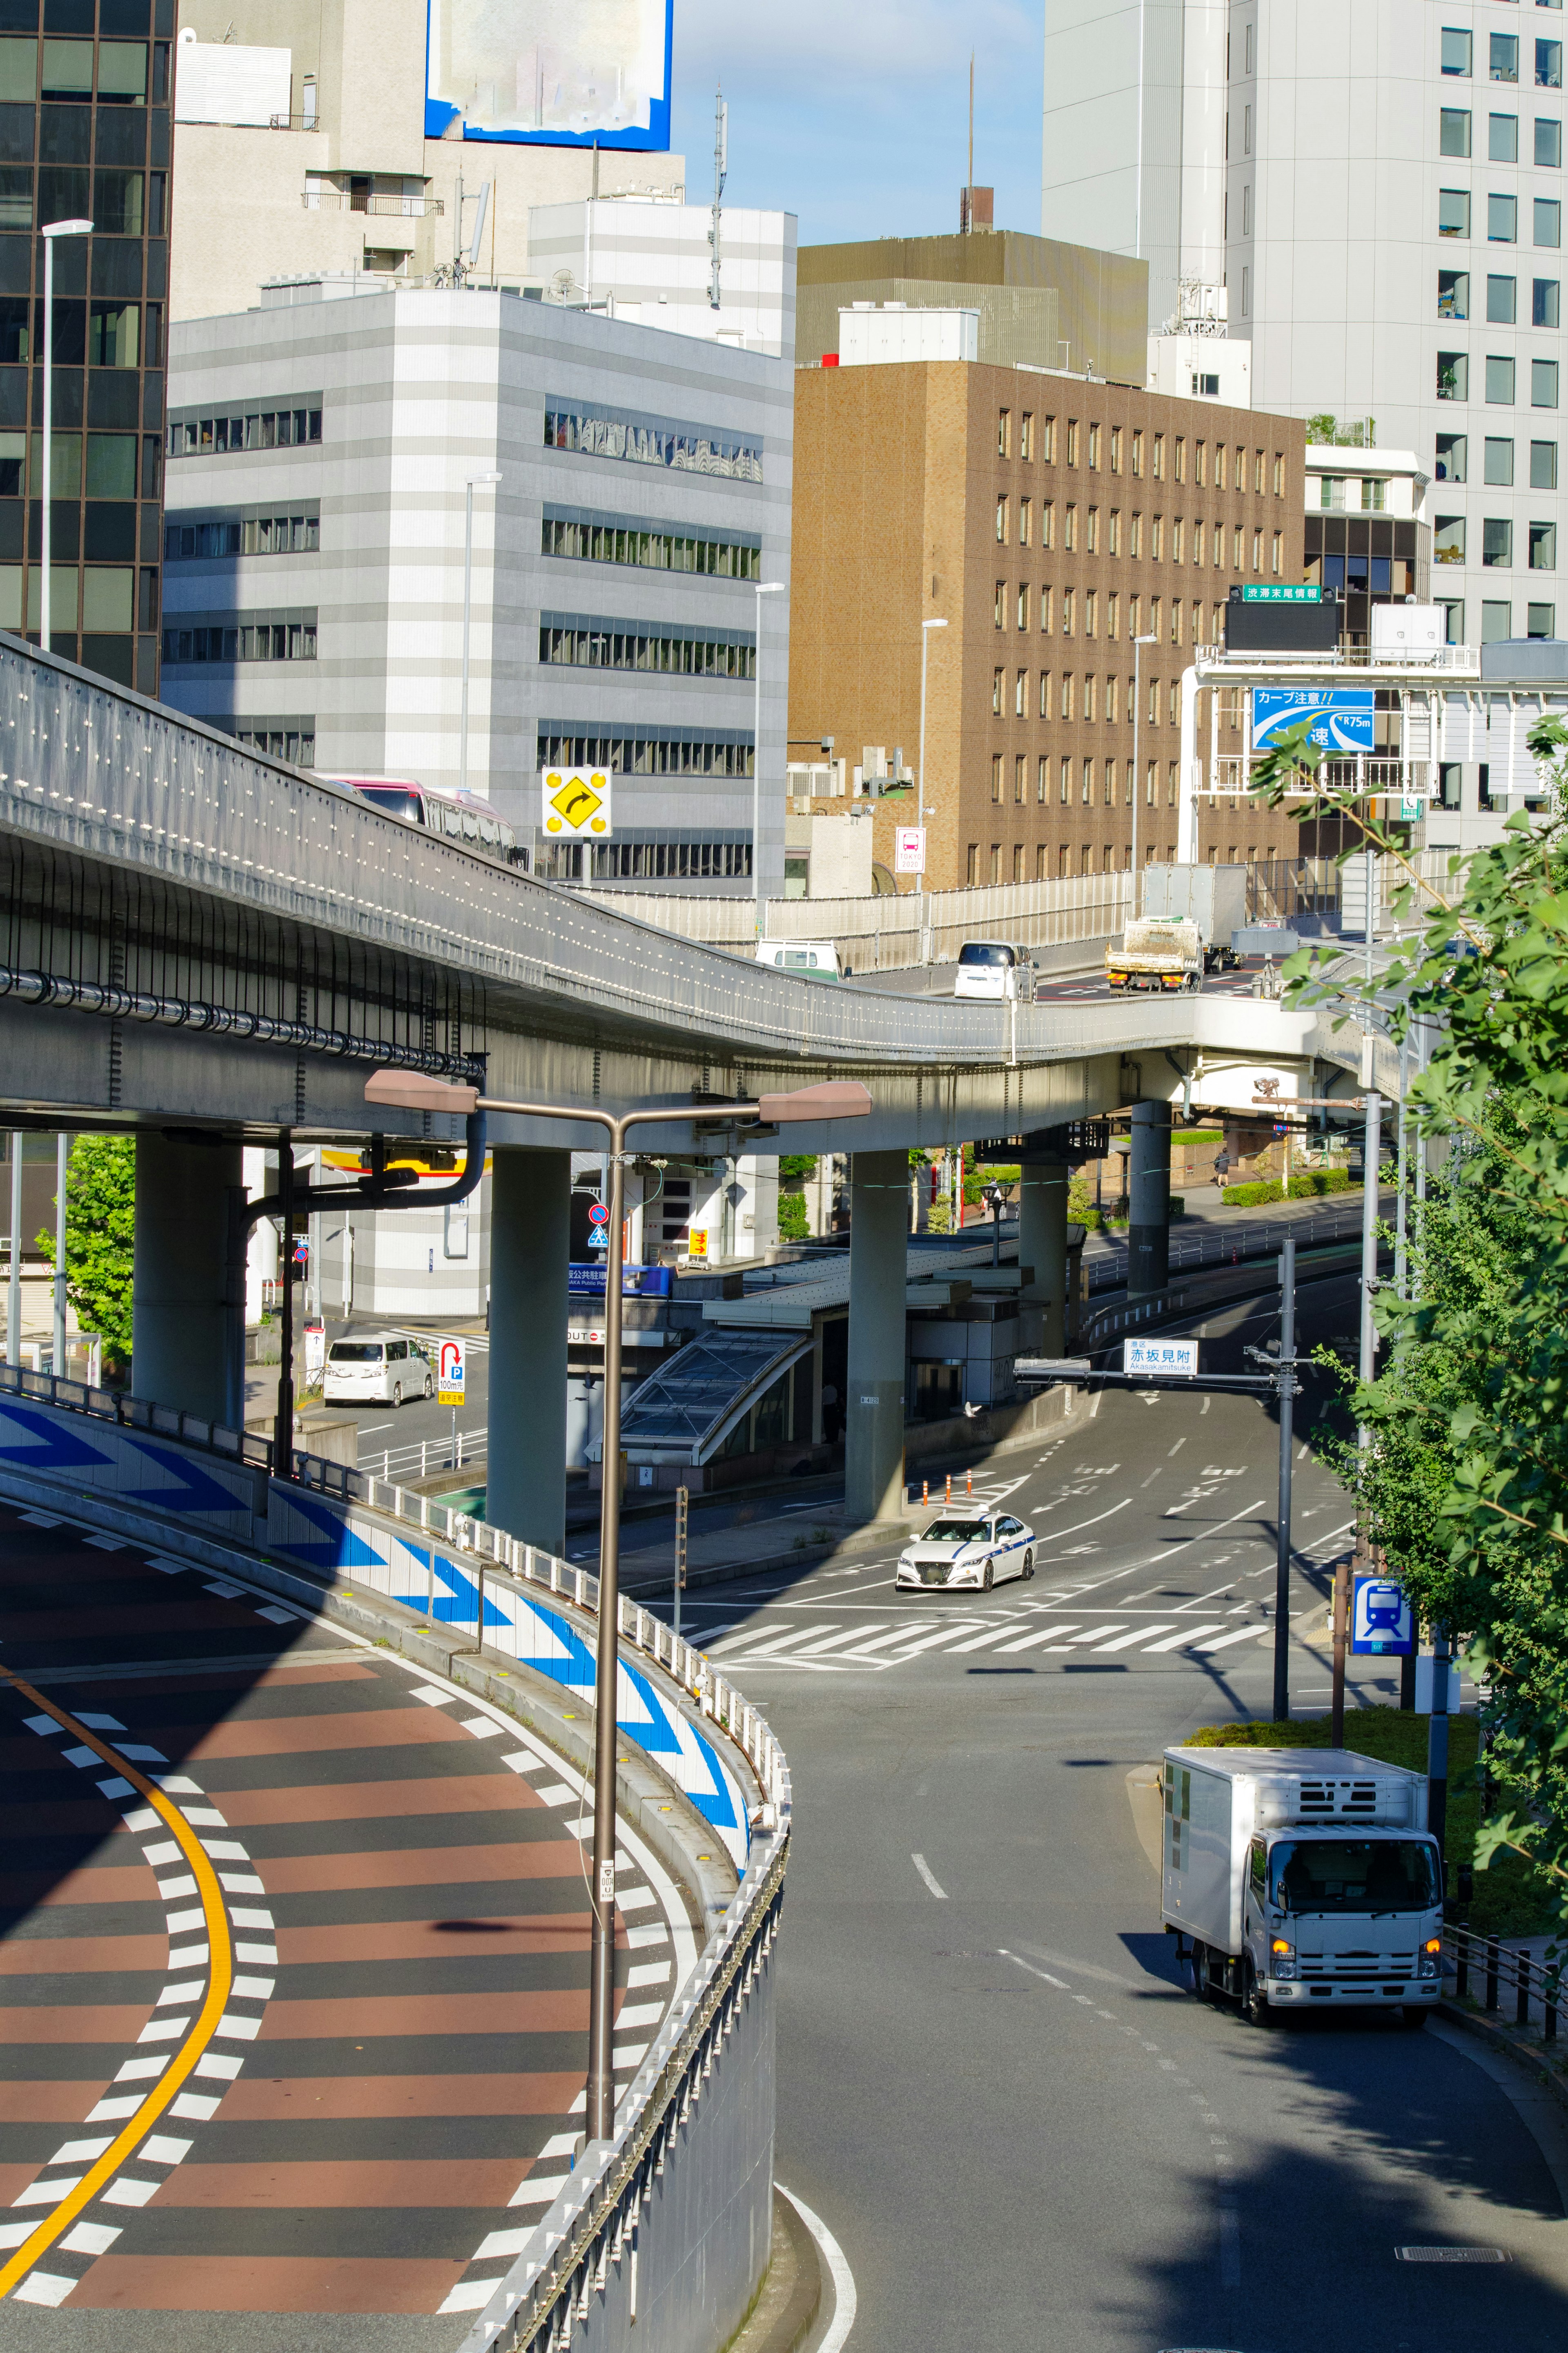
x,y
1462,1964
1548,2005
1491,1972
1521,1979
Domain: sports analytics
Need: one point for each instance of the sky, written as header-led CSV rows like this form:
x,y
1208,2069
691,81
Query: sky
x,y
857,119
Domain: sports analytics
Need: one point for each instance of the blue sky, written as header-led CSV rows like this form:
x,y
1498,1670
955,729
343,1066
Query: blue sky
x,y
856,118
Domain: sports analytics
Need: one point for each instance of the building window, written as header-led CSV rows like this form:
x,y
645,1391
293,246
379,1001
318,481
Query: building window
x,y
1497,462
292,640
1456,56
1021,695
1502,138
1116,448
242,536
1540,620
1110,698
1044,694
1200,467
1453,376
1543,547
1178,540
1067,612
1067,694
1548,223
1157,539
1023,605
1452,458
1042,780
1135,537
585,541
650,441
1138,456
1503,220
1543,465
1180,464
1112,610
1257,471
996,777
1173,778
1064,783
1497,622
661,754
1502,301
1086,788
1455,608
999,604
1025,523
1257,551
1088,696
1090,611
995,861
1018,861
1004,434
1548,143
1094,446
1091,531
266,429
1453,131
1496,541
1069,526
1020,780
1278,474
1041,855
1276,558
1545,301
1047,523
1502,59
997,677
638,649
1453,212
1448,539
1548,65
1246,292
1026,433
1113,532
1002,521
1543,383
972,864
1045,601
1499,380
1157,468
1048,440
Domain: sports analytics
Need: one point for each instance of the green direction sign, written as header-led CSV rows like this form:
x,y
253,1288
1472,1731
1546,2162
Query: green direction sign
x,y
1297,593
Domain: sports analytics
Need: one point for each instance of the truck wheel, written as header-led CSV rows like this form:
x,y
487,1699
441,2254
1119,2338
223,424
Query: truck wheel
x,y
1198,1970
1254,2001
1411,2018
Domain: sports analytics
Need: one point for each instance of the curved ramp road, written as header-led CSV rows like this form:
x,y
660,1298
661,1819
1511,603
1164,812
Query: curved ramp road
x,y
293,1968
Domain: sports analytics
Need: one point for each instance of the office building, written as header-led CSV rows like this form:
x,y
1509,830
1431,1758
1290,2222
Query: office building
x,y
1049,523
1041,303
650,259
321,447
1380,193
313,138
84,125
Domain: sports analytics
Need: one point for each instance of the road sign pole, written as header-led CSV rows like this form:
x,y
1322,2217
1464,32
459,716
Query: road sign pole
x,y
601,2089
1287,1436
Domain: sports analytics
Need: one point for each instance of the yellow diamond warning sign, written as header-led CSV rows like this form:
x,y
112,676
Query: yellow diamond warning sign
x,y
576,804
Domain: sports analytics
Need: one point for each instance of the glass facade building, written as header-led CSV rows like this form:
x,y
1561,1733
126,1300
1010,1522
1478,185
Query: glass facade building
x,y
85,115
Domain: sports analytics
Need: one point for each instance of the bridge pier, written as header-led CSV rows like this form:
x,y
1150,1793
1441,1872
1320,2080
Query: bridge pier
x,y
1149,1191
1043,1246
525,1475
879,1280
182,1323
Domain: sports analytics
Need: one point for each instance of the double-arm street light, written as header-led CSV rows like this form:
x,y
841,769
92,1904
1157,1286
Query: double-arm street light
x,y
836,1099
52,230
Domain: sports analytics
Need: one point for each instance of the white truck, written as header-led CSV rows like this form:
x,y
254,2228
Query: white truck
x,y
1212,897
1155,953
1301,1878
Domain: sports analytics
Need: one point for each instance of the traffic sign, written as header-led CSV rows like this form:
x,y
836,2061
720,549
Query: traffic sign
x,y
1296,592
1167,1356
452,1374
1381,1618
598,1214
908,850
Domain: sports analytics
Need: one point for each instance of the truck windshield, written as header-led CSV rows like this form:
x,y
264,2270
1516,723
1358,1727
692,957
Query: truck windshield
x,y
1353,1876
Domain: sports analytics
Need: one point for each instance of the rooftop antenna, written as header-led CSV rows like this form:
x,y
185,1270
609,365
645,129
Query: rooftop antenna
x,y
969,183
721,173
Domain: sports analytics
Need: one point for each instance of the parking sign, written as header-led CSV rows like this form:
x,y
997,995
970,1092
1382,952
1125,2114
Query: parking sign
x,y
452,1374
1380,1621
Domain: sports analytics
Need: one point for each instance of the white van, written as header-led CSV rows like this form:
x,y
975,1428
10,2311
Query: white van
x,y
991,969
377,1370
814,959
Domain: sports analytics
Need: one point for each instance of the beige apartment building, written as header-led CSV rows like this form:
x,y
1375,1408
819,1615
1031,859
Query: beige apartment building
x,y
1050,521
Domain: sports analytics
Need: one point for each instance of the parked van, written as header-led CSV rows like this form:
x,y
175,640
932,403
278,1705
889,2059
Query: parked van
x,y
379,1369
991,969
814,959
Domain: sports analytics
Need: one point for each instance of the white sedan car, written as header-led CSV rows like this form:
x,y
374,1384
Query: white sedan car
x,y
969,1549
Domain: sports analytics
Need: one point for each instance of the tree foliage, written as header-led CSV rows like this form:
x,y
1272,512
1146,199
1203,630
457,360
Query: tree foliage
x,y
1466,1479
101,1221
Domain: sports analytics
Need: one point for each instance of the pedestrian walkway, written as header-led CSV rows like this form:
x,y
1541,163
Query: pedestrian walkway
x,y
894,1637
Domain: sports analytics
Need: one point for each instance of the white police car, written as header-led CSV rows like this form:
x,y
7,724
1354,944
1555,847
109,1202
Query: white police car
x,y
969,1549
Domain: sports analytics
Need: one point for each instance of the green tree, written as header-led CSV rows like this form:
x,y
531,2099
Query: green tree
x,y
100,1225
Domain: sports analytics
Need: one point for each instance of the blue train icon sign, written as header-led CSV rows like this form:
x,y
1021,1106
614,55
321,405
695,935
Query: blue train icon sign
x,y
1381,1620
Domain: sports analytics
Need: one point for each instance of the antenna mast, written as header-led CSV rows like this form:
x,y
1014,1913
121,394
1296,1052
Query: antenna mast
x,y
721,173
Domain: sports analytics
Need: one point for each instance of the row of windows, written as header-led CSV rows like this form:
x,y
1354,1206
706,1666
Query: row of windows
x,y
1502,298
1088,698
641,755
1503,136
652,551
252,535
118,202
651,445
675,861
1503,58
1453,462
1497,620
1086,613
1105,534
997,860
267,641
624,649
1088,784
110,471
295,744
92,335
55,70
1449,537
1104,447
1502,218
266,429
1500,377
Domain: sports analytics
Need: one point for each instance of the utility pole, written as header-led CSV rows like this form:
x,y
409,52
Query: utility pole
x,y
721,173
1287,1393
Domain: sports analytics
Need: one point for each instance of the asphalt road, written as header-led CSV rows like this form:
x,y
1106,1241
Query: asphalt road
x,y
293,1970
1024,2132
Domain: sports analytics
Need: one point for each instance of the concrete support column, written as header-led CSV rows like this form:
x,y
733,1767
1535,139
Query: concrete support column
x,y
1043,1246
525,1477
878,1273
1148,1187
181,1322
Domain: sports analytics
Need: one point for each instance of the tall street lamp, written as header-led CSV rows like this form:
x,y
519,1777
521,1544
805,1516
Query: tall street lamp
x,y
836,1099
476,481
1138,646
52,229
926,628
765,588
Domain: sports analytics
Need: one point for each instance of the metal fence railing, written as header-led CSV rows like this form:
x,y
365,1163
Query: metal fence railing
x,y
1484,1969
422,1457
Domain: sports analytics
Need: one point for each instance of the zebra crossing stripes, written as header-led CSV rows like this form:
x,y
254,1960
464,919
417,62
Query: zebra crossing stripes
x,y
827,1648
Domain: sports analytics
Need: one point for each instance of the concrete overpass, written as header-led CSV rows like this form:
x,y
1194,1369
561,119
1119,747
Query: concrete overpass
x,y
205,947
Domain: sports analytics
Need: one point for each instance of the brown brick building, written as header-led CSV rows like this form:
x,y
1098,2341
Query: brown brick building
x,y
1050,520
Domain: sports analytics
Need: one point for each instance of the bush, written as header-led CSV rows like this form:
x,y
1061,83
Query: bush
x,y
792,1225
1319,1180
1247,1196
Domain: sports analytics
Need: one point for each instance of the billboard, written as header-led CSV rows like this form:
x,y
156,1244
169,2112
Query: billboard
x,y
1342,717
593,72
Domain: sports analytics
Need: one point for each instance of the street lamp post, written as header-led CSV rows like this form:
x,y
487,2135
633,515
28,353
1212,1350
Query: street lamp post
x,y
926,628
765,588
52,229
476,481
835,1099
1138,646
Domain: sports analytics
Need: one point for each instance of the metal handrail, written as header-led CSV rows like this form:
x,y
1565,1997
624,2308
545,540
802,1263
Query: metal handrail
x,y
1531,1982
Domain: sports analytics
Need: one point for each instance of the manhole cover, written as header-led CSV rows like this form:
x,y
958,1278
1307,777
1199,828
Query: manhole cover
x,y
1449,2256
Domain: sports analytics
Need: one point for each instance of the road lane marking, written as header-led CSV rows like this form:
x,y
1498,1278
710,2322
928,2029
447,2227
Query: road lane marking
x,y
836,1642
1060,1534
1060,1985
1257,1631
843,2278
194,2050
926,1872
978,1642
1093,1634
1124,1641
1041,1634
1185,1635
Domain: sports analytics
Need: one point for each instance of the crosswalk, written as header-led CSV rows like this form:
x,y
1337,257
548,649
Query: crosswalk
x,y
827,1646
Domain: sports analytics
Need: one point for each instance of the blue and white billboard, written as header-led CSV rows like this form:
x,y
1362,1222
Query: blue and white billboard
x,y
564,73
1341,716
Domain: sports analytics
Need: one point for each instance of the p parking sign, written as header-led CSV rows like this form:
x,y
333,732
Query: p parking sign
x,y
451,1374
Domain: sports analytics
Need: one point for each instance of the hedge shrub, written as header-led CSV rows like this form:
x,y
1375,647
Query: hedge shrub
x,y
1302,1188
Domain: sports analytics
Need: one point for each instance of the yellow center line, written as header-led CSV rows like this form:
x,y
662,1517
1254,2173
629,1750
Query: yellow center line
x,y
221,1960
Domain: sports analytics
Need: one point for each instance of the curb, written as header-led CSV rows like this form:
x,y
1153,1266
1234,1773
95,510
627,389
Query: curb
x,y
790,2295
1499,2038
